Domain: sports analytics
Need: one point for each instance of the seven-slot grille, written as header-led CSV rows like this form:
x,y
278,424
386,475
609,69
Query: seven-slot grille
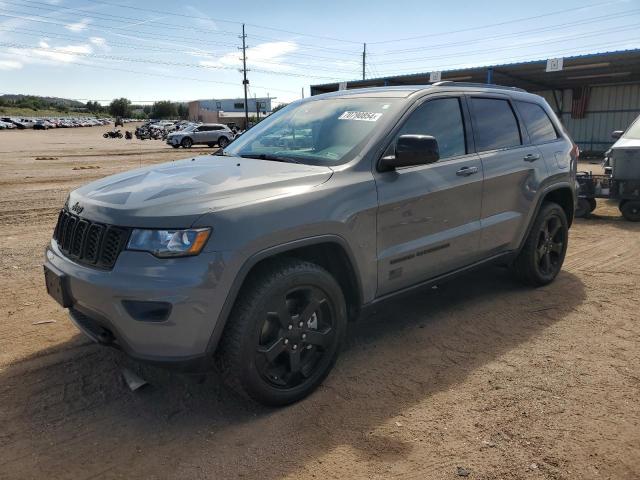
x,y
89,243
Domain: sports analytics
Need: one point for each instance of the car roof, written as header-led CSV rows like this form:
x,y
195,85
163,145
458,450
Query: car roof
x,y
405,91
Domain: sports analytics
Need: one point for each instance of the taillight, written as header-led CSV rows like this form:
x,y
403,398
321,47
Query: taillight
x,y
574,155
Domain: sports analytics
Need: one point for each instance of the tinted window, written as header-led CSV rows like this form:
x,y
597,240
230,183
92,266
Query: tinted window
x,y
442,119
537,122
495,124
238,105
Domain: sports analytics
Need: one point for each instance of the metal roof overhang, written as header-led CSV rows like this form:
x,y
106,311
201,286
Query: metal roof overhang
x,y
578,71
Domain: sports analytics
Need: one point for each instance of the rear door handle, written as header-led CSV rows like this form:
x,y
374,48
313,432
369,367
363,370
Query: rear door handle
x,y
466,171
531,157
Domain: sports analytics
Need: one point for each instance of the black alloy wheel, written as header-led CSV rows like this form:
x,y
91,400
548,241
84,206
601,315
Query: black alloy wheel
x,y
551,246
284,332
542,254
294,337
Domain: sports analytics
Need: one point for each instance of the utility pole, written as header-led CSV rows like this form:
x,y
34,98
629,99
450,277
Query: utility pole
x,y
364,60
245,82
302,92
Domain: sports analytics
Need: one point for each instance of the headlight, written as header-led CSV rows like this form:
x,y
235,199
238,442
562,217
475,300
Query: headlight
x,y
169,243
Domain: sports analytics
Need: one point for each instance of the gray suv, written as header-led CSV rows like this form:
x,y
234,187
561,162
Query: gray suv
x,y
256,258
210,134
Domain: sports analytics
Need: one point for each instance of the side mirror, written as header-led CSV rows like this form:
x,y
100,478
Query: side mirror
x,y
616,134
412,150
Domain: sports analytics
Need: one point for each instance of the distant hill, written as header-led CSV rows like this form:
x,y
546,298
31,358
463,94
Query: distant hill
x,y
17,99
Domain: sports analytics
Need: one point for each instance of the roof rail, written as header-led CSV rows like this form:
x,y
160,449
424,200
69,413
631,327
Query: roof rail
x,y
473,84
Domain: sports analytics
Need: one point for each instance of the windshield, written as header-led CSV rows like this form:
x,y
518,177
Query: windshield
x,y
634,130
321,132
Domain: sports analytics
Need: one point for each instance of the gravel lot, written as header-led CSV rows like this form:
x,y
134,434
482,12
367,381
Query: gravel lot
x,y
479,373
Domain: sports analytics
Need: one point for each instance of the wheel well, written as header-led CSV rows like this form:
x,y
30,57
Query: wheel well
x,y
333,258
564,198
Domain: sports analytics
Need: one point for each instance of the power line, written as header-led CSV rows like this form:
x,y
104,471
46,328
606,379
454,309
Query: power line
x,y
582,50
182,14
41,33
517,20
148,61
119,19
597,19
154,36
161,75
618,29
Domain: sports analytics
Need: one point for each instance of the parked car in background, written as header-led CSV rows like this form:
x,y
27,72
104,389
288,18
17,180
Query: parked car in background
x,y
210,134
6,125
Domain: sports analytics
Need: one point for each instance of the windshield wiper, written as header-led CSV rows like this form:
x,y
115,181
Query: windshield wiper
x,y
222,153
266,156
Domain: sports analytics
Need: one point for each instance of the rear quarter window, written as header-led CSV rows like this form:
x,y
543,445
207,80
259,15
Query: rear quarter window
x,y
537,122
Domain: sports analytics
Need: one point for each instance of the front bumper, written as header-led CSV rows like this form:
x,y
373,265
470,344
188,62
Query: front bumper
x,y
101,303
173,140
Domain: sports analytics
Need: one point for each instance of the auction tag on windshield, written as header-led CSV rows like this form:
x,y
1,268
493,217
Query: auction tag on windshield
x,y
364,116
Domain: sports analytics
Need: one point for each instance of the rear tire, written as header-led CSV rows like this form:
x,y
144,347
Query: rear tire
x,y
585,207
542,255
186,142
284,332
631,210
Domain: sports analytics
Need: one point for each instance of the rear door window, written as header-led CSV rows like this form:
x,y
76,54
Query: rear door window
x,y
537,122
495,124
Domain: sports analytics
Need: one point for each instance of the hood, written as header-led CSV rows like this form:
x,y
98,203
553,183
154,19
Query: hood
x,y
174,195
626,143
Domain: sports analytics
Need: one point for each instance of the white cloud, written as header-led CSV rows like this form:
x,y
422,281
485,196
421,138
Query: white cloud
x,y
267,56
47,54
78,26
98,41
10,65
201,18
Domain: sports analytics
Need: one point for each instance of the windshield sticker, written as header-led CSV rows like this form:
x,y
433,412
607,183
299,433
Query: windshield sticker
x,y
364,116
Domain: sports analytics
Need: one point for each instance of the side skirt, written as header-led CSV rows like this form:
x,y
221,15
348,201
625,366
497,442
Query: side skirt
x,y
501,258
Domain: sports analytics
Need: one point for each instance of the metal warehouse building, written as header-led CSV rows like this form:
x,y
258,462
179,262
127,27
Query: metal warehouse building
x,y
592,94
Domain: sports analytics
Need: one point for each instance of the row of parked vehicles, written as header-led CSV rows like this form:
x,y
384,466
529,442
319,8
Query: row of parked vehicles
x,y
7,123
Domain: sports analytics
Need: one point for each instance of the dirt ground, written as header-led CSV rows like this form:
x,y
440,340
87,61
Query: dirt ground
x,y
480,373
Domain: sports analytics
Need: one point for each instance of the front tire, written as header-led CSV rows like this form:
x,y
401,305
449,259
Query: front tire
x,y
542,255
284,332
186,142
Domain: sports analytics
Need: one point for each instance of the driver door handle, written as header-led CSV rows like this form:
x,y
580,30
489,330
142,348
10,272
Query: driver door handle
x,y
466,171
531,157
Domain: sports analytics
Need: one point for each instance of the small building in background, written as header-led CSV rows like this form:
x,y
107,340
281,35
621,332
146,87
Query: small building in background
x,y
592,94
229,111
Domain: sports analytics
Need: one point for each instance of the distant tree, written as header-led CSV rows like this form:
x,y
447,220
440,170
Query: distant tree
x,y
278,107
147,109
164,109
183,111
94,107
120,107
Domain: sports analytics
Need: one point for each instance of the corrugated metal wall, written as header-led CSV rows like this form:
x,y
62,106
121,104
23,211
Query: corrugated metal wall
x,y
610,108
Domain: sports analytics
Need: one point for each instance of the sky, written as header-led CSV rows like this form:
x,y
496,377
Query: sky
x,y
166,50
